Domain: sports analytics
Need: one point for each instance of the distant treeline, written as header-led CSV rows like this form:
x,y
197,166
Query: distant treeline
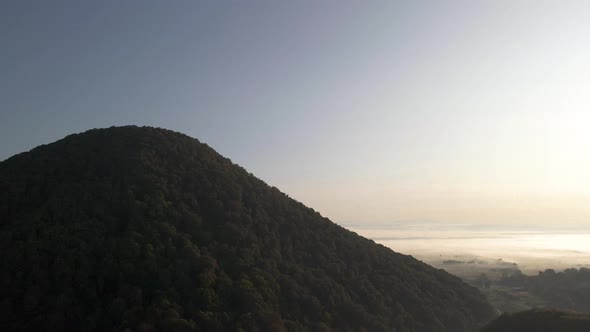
x,y
567,290
539,320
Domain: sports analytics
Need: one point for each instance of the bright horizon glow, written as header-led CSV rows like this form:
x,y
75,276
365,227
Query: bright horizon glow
x,y
378,112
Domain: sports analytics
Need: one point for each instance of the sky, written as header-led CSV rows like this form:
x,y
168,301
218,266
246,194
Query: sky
x,y
368,111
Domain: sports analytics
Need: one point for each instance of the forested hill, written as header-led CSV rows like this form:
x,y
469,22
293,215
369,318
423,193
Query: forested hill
x,y
147,229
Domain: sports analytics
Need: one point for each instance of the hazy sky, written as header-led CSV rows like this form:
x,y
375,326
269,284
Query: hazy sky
x,y
367,111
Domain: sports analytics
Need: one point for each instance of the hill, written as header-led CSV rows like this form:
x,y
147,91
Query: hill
x,y
147,229
540,321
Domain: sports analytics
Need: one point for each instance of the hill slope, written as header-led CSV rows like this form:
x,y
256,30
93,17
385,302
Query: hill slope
x,y
148,229
540,321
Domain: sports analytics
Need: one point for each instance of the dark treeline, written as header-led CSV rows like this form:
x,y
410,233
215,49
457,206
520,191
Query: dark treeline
x,y
566,290
146,229
539,320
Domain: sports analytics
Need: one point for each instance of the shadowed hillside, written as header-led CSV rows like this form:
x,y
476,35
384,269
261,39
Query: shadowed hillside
x,y
149,229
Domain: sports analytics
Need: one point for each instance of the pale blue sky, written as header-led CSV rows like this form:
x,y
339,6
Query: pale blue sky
x,y
368,111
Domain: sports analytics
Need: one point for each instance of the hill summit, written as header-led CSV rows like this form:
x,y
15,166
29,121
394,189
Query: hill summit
x,y
145,229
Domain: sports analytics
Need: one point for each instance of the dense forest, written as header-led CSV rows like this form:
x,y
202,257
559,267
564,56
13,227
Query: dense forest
x,y
540,321
146,229
565,290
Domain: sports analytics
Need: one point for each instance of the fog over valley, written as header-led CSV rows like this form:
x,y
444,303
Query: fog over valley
x,y
472,248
